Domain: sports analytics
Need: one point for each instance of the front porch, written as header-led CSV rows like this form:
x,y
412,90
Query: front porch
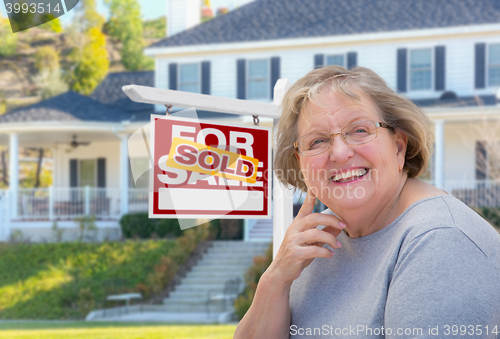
x,y
40,208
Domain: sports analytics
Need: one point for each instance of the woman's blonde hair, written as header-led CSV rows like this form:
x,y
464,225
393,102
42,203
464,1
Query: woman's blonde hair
x,y
394,109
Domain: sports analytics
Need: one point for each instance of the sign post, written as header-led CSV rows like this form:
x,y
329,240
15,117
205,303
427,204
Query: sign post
x,y
282,197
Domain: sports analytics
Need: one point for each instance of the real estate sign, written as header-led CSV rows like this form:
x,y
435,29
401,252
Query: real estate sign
x,y
203,169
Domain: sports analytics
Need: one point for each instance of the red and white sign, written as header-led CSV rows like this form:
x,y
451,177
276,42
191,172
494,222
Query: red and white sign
x,y
207,170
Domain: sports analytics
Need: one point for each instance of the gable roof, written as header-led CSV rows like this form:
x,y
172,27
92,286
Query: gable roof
x,y
109,91
284,19
69,106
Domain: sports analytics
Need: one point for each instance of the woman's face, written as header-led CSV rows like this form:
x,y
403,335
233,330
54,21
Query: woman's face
x,y
350,176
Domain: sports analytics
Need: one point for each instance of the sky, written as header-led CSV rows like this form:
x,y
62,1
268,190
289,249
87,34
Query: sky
x,y
150,9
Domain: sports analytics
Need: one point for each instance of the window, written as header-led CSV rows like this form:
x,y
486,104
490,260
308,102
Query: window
x,y
335,59
421,69
258,79
87,174
189,78
494,65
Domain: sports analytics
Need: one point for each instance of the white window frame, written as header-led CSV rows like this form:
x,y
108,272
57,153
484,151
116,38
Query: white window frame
x,y
487,70
332,54
179,74
79,172
268,80
409,70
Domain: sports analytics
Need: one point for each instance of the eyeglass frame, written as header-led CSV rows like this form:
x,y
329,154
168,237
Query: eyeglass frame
x,y
377,125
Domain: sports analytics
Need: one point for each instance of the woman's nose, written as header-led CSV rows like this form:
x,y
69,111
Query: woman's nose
x,y
340,150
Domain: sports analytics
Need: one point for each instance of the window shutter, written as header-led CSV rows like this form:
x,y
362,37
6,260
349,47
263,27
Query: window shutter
x,y
275,73
481,161
101,172
319,60
480,65
401,69
241,78
73,173
172,76
352,60
440,71
205,77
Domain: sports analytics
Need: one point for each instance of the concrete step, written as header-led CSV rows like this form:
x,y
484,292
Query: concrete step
x,y
223,261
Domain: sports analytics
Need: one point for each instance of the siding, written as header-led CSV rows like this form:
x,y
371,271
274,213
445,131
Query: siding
x,y
459,65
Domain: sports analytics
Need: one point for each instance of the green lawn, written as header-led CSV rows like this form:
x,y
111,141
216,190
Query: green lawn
x,y
84,330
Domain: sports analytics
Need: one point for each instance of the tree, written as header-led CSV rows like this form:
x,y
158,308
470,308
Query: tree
x,y
53,26
125,25
46,57
90,58
8,40
93,63
50,83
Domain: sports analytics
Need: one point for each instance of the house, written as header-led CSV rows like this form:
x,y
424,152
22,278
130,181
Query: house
x,y
443,55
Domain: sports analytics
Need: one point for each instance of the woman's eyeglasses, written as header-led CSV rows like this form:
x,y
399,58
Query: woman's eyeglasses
x,y
358,133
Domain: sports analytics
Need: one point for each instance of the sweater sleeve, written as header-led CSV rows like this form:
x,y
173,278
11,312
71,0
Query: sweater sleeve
x,y
443,286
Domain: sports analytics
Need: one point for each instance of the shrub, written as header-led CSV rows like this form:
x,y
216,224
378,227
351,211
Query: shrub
x,y
227,229
490,214
46,58
139,225
252,277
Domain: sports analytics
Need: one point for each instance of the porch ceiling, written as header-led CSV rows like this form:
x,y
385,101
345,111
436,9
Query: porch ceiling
x,y
48,139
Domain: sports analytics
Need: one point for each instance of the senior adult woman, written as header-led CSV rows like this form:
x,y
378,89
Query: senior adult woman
x,y
392,256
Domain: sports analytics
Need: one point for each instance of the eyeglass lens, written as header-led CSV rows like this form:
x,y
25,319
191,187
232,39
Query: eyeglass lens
x,y
357,133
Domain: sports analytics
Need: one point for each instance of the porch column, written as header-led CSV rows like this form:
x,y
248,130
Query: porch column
x,y
124,174
13,172
439,154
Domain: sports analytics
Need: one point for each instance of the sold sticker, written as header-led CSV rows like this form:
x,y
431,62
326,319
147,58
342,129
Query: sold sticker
x,y
195,157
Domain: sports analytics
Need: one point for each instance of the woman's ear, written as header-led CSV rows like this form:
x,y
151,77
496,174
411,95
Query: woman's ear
x,y
401,145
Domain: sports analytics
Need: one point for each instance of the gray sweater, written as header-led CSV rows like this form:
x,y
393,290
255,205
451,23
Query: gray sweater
x,y
432,273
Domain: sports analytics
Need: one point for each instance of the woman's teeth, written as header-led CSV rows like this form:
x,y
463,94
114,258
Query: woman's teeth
x,y
349,175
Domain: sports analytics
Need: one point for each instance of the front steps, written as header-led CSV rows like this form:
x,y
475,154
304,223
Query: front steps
x,y
262,231
223,261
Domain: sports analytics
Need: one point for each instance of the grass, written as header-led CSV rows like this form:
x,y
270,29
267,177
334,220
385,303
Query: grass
x,y
44,281
84,330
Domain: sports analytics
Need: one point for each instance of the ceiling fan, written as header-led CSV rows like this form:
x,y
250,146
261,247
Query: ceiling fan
x,y
74,144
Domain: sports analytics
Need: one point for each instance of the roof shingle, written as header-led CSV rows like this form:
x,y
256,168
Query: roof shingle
x,y
284,19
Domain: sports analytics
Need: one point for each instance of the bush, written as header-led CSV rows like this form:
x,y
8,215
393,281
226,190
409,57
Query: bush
x,y
252,277
46,58
139,225
227,229
490,214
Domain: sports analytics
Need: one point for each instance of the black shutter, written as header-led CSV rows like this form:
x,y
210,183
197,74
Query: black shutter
x,y
319,60
73,173
481,161
480,65
172,76
73,178
101,172
275,73
205,77
440,71
241,78
401,69
352,60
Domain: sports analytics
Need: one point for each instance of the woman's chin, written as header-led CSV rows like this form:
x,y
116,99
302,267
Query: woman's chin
x,y
344,196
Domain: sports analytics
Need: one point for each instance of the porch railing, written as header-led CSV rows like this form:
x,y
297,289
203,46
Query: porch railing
x,y
478,193
104,203
68,203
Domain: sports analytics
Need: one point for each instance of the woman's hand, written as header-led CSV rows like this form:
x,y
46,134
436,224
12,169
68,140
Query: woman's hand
x,y
303,241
